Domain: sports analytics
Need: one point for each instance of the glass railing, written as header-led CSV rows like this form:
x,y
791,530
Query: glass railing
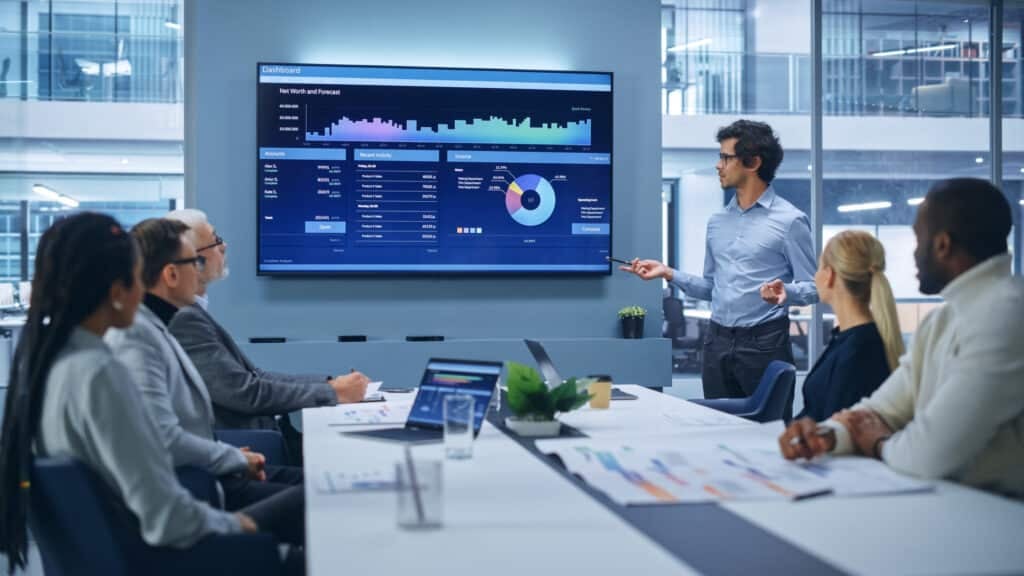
x,y
92,67
704,82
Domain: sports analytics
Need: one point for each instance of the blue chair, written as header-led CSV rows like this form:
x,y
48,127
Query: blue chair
x,y
82,529
772,400
270,443
200,483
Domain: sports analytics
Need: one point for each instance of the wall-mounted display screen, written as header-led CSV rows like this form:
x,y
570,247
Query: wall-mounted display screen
x,y
433,170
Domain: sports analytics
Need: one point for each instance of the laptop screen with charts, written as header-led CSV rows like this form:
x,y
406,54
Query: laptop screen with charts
x,y
443,378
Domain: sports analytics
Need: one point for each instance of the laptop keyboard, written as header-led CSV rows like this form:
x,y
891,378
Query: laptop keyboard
x,y
403,434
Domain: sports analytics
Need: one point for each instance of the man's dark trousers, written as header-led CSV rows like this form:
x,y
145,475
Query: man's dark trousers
x,y
735,358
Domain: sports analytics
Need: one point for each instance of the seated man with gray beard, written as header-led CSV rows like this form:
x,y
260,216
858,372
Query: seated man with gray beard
x,y
243,395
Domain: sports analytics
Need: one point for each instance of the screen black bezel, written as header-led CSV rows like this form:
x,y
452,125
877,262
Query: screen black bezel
x,y
436,273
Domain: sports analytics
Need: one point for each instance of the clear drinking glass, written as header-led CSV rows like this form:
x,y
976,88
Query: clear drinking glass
x,y
458,426
495,405
420,492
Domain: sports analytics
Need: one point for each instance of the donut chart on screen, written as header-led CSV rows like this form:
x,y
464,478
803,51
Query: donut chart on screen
x,y
530,200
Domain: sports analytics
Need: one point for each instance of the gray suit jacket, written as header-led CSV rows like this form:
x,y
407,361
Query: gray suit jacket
x,y
174,393
94,413
243,395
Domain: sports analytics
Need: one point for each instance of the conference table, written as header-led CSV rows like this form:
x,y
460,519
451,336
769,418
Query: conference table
x,y
511,510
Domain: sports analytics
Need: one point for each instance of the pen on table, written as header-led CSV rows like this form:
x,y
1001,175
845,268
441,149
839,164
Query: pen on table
x,y
819,430
415,484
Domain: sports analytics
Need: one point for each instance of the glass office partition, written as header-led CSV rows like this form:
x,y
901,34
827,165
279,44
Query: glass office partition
x,y
722,60
1013,121
90,50
926,62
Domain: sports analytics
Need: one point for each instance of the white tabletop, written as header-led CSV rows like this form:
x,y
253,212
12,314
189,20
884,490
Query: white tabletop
x,y
504,505
651,414
505,512
954,530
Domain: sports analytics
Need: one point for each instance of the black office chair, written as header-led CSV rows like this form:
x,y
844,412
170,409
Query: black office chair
x,y
675,323
685,347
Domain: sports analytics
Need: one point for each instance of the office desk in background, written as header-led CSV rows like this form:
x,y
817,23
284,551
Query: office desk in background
x,y
797,329
10,331
701,314
507,511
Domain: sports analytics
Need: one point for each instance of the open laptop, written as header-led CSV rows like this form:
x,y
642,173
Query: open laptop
x,y
551,376
442,378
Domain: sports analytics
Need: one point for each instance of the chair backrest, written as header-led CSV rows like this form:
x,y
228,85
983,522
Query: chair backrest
x,y
773,398
76,523
672,308
200,483
270,443
83,530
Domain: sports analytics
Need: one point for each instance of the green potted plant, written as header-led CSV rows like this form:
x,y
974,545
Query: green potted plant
x,y
534,405
632,318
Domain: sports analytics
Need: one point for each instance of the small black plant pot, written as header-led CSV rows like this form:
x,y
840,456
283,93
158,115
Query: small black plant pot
x,y
633,327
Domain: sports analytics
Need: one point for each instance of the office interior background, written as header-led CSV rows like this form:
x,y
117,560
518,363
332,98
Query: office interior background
x,y
135,107
120,106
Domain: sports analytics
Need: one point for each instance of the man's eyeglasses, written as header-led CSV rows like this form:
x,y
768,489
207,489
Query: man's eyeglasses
x,y
198,261
217,241
723,157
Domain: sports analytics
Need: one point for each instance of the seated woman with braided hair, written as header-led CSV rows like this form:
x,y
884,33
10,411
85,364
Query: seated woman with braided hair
x,y
70,397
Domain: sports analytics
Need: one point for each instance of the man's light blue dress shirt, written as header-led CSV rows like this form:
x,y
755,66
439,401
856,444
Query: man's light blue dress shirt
x,y
746,248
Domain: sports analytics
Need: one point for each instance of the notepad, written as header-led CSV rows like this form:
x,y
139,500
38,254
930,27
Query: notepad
x,y
373,393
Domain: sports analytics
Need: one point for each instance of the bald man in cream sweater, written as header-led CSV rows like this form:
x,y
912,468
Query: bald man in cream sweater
x,y
955,406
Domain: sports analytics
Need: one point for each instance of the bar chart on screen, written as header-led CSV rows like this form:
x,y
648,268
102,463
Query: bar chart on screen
x,y
490,130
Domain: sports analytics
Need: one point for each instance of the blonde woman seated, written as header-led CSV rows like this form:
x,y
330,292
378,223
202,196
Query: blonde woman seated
x,y
866,346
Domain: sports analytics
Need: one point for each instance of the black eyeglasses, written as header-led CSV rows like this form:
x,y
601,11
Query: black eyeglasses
x,y
723,157
217,241
198,261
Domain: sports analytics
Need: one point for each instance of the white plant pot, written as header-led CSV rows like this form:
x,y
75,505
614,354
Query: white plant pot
x,y
531,428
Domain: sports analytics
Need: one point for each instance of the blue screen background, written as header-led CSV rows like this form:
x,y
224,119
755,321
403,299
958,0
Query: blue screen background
x,y
344,205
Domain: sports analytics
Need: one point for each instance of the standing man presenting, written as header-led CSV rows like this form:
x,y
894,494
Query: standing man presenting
x,y
759,258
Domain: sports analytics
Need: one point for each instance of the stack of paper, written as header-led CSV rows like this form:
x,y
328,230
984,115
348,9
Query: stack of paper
x,y
645,474
369,413
735,466
339,481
